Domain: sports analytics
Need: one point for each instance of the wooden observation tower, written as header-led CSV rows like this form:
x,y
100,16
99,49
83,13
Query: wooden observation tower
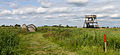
x,y
90,21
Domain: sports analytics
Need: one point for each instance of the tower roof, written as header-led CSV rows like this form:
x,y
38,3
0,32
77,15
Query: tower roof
x,y
90,16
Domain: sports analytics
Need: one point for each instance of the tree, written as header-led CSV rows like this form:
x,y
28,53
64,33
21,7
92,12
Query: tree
x,y
3,25
45,25
60,25
67,26
107,26
17,25
54,26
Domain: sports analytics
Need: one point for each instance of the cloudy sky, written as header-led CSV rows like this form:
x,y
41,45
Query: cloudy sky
x,y
55,12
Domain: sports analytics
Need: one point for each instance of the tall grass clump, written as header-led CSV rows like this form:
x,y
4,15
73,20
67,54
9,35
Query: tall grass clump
x,y
10,42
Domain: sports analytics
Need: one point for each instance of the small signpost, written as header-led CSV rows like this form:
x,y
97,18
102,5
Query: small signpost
x,y
105,43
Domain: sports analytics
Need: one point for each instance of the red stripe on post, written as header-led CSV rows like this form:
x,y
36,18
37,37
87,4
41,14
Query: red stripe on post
x,y
105,38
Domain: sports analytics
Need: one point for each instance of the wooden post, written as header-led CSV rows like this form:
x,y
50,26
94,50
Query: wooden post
x,y
105,43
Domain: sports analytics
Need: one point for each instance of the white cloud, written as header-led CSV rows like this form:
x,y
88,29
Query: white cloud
x,y
24,17
48,16
45,3
115,15
58,9
12,5
108,7
102,15
34,10
108,15
63,15
22,10
77,1
5,12
104,8
41,10
25,10
39,1
62,12
13,18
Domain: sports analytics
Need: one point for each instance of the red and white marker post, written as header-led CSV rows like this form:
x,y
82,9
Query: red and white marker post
x,y
105,43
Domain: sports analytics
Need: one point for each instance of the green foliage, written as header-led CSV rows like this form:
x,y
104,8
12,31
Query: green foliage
x,y
38,45
17,25
10,42
74,39
53,40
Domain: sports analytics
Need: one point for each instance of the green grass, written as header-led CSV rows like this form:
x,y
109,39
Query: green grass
x,y
85,41
10,42
38,45
59,41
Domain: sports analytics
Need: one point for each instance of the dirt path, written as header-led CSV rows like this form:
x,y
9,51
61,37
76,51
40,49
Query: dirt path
x,y
38,45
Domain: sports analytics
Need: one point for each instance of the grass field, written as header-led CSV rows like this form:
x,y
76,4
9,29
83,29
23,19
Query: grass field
x,y
60,41
10,42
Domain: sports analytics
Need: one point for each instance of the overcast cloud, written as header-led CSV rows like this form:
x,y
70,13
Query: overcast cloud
x,y
66,12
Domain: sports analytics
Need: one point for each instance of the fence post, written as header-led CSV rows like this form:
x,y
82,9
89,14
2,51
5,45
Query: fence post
x,y
105,43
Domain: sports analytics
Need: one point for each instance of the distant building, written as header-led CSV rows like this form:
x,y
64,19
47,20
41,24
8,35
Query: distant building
x,y
90,21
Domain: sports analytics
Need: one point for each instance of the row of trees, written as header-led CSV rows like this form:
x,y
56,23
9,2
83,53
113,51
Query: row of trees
x,y
60,25
110,27
16,25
